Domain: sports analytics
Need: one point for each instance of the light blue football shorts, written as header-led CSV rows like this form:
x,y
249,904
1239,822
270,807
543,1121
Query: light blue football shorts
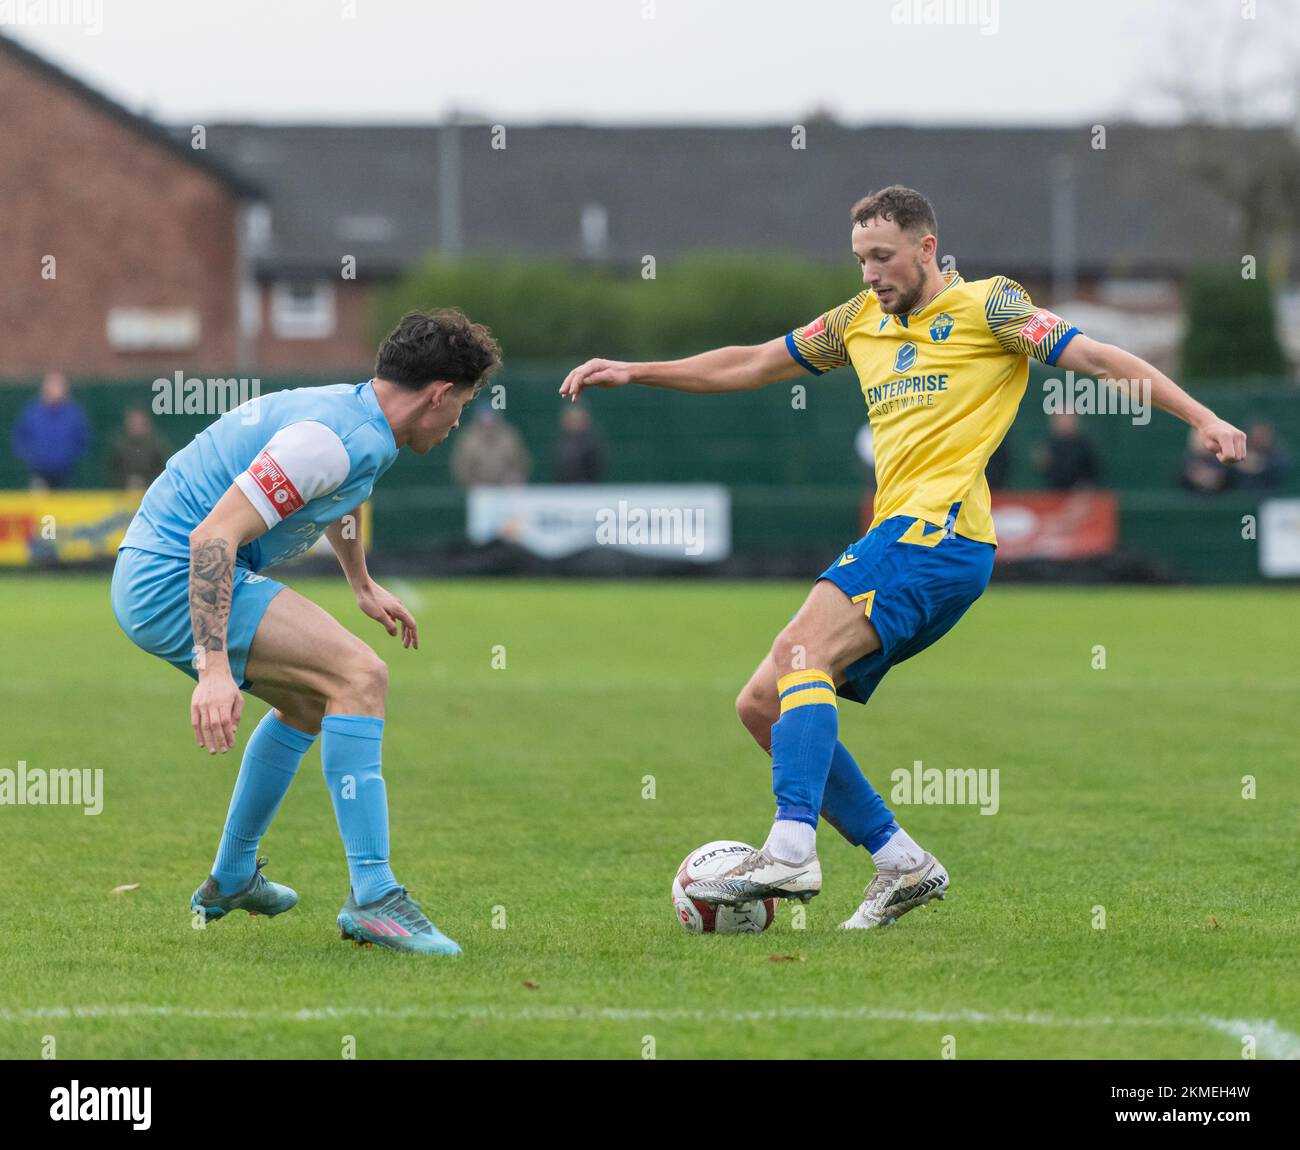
x,y
151,600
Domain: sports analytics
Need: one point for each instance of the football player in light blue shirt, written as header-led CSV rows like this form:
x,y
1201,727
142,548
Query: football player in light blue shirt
x,y
255,488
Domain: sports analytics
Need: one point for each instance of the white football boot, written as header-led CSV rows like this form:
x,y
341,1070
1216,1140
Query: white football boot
x,y
759,875
894,892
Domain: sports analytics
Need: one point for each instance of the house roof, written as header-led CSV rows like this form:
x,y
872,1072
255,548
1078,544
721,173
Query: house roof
x,y
338,190
163,137
1139,207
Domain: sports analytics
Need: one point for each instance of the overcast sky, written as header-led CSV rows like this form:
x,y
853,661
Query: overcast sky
x,y
658,61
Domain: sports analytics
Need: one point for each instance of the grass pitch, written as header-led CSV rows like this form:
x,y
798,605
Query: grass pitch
x,y
519,820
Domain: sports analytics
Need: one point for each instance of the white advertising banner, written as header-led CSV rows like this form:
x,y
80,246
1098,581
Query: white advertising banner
x,y
1279,538
657,521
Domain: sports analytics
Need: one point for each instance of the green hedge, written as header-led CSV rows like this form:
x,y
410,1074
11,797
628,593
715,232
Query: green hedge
x,y
550,308
1231,330
546,309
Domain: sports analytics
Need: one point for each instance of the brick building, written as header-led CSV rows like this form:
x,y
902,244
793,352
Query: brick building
x,y
262,252
120,247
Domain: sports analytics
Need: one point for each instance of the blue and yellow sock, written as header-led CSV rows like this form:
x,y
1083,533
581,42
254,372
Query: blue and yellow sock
x,y
803,741
350,760
270,761
853,806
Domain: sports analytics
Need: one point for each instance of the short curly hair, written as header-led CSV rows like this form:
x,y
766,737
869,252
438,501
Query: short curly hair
x,y
910,210
443,344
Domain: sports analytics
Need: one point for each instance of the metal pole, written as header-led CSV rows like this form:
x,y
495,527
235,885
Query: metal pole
x,y
451,240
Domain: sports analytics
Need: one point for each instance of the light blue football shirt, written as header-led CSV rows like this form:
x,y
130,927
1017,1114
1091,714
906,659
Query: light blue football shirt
x,y
304,457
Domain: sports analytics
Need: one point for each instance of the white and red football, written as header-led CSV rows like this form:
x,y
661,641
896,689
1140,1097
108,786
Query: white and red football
x,y
701,918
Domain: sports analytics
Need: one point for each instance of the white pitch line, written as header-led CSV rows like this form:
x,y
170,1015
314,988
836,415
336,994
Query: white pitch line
x,y
407,594
1271,1040
1269,1037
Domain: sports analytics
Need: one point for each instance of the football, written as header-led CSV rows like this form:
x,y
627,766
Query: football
x,y
701,918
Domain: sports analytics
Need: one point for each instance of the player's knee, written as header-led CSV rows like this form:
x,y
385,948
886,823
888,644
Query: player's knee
x,y
746,709
367,680
374,677
750,707
757,713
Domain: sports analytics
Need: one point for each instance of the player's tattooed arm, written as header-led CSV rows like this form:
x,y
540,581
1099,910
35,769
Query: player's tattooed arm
x,y
217,703
212,568
214,546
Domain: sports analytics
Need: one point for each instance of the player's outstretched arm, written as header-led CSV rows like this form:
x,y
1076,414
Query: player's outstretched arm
x,y
724,369
216,705
1113,365
379,604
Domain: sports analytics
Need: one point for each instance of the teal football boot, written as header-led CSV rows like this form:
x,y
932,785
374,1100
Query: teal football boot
x,y
394,921
260,896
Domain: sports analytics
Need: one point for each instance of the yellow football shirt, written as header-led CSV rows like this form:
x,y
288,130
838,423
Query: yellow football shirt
x,y
942,386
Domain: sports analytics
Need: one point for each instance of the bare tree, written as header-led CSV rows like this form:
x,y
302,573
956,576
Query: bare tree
x,y
1236,66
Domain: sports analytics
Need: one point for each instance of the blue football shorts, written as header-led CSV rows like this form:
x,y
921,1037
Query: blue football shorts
x,y
914,580
151,600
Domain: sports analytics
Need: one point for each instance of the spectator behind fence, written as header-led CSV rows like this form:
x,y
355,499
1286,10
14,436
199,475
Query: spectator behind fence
x,y
51,435
1202,472
139,452
579,452
490,453
1067,460
1266,464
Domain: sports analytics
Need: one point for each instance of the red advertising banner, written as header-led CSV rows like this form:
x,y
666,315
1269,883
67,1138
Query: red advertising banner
x,y
1048,524
1055,524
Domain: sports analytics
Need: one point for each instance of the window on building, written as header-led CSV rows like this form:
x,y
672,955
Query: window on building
x,y
302,310
257,229
593,227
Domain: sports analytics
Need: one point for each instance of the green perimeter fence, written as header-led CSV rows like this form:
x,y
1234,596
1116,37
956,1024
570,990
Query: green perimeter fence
x,y
788,460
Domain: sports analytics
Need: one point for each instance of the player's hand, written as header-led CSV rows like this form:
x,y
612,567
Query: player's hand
x,y
215,708
389,610
596,373
1228,443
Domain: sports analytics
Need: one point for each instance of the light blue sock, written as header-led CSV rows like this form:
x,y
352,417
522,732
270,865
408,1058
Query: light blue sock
x,y
270,761
803,740
350,758
852,805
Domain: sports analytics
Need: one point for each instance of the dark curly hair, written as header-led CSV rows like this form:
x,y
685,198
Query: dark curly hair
x,y
437,345
910,210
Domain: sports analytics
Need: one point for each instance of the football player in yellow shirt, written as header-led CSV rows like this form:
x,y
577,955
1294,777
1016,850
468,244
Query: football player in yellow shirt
x,y
943,364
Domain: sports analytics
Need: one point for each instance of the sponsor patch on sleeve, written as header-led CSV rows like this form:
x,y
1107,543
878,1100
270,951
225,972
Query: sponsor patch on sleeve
x,y
270,477
1039,325
815,328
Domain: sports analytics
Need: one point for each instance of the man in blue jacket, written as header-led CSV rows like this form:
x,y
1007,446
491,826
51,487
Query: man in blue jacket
x,y
52,434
